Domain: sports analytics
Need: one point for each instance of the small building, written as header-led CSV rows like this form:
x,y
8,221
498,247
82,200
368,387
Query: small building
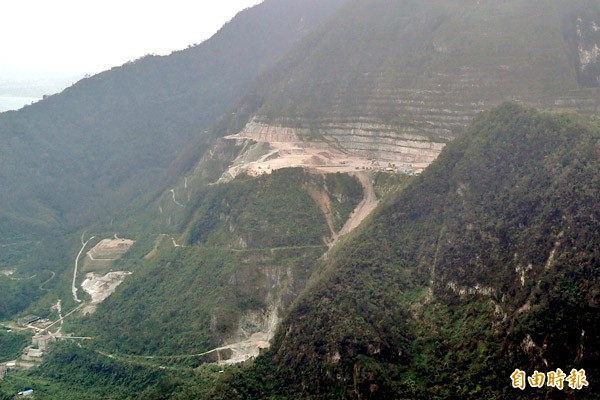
x,y
25,393
42,341
31,358
33,355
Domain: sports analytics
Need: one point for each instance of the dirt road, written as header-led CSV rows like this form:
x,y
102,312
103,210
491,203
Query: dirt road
x,y
73,286
175,200
364,208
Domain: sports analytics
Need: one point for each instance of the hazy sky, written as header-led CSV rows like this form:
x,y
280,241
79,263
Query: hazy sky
x,y
46,38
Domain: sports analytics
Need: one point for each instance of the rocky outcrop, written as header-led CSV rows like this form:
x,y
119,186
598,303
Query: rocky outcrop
x,y
582,35
587,47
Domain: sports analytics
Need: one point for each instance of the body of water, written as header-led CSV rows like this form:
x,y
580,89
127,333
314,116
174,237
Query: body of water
x,y
14,103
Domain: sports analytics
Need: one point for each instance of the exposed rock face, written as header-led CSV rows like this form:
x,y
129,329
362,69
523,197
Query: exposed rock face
x,y
369,140
428,117
257,327
583,36
265,133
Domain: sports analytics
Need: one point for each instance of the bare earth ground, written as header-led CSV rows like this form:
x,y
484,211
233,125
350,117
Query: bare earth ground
x,y
100,287
325,159
322,159
242,351
110,249
364,208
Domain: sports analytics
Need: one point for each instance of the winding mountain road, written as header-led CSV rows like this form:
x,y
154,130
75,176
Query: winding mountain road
x,y
175,200
73,286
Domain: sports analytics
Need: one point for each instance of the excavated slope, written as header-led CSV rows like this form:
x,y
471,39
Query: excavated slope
x,y
396,80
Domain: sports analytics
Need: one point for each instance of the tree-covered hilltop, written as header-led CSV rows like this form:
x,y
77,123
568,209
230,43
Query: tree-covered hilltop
x,y
485,264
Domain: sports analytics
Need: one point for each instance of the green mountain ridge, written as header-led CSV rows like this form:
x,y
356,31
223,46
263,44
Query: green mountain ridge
x,y
484,264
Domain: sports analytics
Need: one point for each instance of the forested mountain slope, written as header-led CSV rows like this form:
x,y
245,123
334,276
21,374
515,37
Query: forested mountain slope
x,y
83,155
215,294
250,247
485,264
92,148
396,80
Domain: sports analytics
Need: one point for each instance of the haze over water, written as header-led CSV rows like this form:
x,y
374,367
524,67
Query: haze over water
x,y
8,103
